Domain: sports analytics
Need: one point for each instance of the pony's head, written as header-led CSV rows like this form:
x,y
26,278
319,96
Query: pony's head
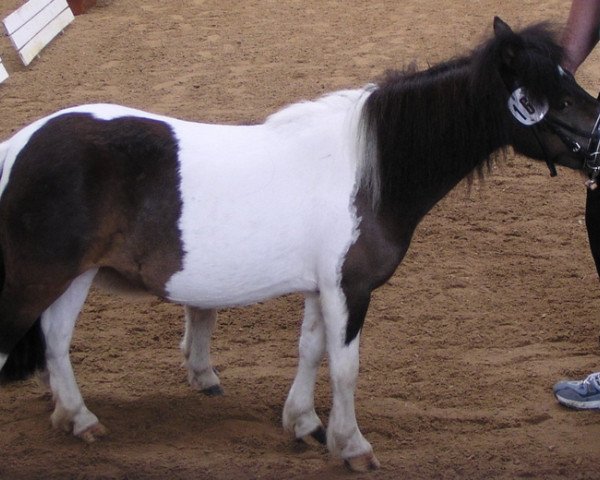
x,y
552,117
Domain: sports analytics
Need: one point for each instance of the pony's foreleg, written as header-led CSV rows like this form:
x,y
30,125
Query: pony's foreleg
x,y
199,326
58,321
299,416
343,435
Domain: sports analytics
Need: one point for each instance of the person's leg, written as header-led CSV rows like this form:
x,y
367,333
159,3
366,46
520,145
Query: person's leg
x,y
585,394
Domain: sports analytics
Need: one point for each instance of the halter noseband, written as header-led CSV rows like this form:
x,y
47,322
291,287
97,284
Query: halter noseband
x,y
558,128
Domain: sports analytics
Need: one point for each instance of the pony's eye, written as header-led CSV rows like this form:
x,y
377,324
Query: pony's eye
x,y
564,104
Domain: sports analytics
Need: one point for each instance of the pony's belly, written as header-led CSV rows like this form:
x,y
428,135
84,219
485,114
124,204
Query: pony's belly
x,y
214,289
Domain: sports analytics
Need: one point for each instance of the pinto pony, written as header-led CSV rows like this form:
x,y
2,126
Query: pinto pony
x,y
322,198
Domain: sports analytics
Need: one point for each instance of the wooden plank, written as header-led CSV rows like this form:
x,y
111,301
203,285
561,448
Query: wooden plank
x,y
36,24
37,43
3,72
23,14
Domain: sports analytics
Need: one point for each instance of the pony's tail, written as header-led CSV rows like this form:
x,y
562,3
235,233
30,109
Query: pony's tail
x,y
27,357
29,354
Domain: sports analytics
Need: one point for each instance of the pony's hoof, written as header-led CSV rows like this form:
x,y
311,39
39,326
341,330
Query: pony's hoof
x,y
363,463
214,391
93,433
318,435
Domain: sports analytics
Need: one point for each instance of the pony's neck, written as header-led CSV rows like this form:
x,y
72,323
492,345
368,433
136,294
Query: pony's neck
x,y
430,130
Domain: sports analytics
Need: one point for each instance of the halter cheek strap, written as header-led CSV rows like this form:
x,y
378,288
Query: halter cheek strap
x,y
549,163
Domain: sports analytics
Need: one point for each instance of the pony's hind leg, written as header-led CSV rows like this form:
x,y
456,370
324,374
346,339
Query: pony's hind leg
x,y
58,320
199,326
299,416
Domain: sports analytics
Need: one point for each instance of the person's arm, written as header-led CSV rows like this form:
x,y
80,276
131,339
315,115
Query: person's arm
x,y
581,32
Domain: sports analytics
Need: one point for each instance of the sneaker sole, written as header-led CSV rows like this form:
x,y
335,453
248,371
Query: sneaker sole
x,y
579,405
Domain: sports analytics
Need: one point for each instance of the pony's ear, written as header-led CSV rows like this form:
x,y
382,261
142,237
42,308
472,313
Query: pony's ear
x,y
501,27
507,46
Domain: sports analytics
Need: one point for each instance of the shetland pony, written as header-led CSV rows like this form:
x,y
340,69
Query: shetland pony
x,y
322,198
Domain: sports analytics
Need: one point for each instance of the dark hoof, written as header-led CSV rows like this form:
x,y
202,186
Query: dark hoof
x,y
320,435
316,437
214,391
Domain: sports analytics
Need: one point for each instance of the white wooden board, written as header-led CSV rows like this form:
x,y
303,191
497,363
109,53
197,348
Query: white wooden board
x,y
3,72
35,24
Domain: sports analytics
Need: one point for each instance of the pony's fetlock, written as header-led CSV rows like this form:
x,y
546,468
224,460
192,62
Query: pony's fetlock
x,y
80,422
305,426
205,381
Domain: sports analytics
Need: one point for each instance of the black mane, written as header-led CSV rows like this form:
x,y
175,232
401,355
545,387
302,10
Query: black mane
x,y
431,128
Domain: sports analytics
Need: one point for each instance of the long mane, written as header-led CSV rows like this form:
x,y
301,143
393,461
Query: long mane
x,y
419,127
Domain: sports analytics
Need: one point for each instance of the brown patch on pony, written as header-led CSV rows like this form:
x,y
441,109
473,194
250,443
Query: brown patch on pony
x,y
86,193
100,193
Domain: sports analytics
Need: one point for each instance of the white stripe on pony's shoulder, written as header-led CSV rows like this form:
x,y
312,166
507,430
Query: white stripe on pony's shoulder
x,y
3,359
3,154
4,147
361,151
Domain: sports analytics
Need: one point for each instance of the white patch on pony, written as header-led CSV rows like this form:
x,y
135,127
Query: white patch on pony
x,y
267,209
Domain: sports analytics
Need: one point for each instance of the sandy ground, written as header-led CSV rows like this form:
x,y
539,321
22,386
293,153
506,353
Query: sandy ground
x,y
497,299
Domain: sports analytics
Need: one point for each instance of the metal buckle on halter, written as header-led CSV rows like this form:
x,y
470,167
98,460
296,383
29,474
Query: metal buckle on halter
x,y
592,158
